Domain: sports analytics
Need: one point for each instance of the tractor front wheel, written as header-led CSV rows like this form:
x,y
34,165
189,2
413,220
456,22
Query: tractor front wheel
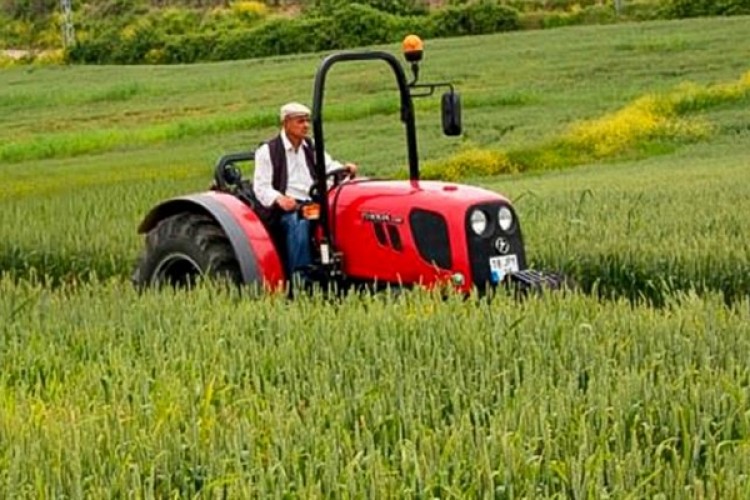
x,y
183,248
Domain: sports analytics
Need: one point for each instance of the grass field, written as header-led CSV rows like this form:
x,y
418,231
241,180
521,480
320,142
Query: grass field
x,y
104,392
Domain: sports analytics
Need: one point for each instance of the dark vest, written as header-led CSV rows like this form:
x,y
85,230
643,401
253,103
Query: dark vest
x,y
278,161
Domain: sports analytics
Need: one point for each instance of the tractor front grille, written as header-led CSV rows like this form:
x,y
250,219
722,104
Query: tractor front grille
x,y
485,246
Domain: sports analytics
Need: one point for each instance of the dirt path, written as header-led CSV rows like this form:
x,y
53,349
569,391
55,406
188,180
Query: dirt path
x,y
15,53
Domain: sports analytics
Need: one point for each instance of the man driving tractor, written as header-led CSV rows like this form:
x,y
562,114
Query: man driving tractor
x,y
284,174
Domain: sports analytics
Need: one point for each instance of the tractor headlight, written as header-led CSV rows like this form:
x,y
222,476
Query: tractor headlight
x,y
478,221
505,219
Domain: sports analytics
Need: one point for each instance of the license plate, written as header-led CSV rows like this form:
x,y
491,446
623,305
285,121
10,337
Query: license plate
x,y
501,265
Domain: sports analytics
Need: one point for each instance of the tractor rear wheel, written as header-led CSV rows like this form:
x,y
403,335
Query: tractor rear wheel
x,y
183,248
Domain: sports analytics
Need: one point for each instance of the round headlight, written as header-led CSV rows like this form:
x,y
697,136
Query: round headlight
x,y
478,221
505,218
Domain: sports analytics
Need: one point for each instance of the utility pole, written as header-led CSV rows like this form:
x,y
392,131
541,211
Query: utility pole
x,y
618,6
68,31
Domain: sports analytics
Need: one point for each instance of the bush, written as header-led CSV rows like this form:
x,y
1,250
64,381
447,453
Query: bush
x,y
133,45
357,24
550,5
165,37
174,21
6,61
485,16
275,37
97,50
694,8
399,7
595,14
642,10
250,10
50,57
188,48
471,162
633,10
351,26
16,33
421,25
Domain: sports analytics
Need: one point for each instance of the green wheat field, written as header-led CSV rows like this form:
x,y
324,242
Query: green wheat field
x,y
626,151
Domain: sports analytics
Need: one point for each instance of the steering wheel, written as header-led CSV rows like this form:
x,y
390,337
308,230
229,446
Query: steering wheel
x,y
339,175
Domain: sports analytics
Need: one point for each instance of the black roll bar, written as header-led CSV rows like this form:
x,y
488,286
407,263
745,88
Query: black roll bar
x,y
407,117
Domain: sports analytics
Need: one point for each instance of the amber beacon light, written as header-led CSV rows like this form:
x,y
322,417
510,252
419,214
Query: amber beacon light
x,y
413,48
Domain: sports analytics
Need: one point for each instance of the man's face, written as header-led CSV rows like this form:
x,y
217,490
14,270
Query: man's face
x,y
297,127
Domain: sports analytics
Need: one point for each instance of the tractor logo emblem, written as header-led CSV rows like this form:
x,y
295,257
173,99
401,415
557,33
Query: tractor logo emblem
x,y
502,245
382,217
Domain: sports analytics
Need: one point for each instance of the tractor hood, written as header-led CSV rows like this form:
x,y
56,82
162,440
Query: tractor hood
x,y
412,232
430,195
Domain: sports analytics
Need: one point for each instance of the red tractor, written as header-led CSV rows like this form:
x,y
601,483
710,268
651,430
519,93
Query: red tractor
x,y
374,232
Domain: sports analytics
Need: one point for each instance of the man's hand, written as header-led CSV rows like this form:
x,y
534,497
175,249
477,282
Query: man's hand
x,y
286,203
352,168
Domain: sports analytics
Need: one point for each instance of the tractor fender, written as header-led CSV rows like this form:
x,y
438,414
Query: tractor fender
x,y
228,212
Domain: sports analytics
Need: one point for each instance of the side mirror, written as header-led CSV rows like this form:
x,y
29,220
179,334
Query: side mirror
x,y
451,109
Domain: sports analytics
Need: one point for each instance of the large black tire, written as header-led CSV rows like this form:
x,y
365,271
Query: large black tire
x,y
183,248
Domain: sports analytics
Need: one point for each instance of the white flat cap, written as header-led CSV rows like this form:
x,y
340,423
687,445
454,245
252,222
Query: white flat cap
x,y
293,109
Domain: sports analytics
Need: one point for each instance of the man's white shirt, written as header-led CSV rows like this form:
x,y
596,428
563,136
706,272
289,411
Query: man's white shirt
x,y
299,180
